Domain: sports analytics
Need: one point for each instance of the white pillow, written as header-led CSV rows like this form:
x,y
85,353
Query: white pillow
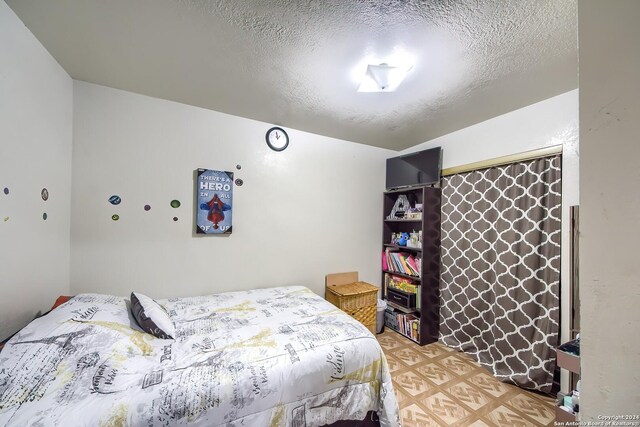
x,y
151,316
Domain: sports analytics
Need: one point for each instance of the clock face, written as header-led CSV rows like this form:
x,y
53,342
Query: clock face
x,y
277,139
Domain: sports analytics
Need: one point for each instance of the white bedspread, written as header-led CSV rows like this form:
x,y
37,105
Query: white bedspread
x,y
267,357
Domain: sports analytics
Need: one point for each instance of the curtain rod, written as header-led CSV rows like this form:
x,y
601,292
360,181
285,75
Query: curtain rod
x,y
499,161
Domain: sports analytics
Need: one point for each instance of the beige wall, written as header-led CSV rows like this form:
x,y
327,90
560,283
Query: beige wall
x,y
310,210
609,33
35,142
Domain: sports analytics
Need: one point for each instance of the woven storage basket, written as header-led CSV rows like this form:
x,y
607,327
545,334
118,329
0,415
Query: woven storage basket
x,y
358,300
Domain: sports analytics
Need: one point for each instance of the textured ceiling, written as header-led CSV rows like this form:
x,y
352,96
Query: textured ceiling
x,y
292,63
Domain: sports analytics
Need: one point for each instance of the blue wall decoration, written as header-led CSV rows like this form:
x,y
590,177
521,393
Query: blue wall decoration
x,y
214,202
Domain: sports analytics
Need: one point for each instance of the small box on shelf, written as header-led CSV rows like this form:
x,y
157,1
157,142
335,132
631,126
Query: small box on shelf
x,y
564,416
401,298
568,361
568,356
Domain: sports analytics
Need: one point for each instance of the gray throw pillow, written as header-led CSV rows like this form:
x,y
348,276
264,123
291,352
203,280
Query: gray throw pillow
x,y
151,316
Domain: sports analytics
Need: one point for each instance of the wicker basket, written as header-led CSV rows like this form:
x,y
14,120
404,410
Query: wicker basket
x,y
358,300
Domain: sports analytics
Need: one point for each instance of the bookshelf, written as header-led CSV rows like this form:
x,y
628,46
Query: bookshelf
x,y
416,317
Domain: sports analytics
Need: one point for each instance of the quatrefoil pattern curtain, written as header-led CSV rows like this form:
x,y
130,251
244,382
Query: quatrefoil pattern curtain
x,y
500,272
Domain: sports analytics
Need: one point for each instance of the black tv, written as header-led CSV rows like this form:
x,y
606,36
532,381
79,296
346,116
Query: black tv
x,y
415,169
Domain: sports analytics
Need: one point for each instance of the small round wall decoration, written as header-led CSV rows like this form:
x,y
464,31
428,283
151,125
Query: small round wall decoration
x,y
147,208
238,167
175,218
175,204
115,217
44,194
6,190
44,216
115,200
6,218
239,182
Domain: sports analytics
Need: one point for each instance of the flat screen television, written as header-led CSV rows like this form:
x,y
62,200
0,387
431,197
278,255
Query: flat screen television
x,y
414,169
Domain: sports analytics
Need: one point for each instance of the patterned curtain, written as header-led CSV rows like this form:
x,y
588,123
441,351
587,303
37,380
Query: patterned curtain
x,y
500,275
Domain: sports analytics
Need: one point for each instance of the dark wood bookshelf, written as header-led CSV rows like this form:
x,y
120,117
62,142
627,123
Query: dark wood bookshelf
x,y
429,280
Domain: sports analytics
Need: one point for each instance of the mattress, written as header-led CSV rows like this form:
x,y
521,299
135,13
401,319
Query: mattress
x,y
266,357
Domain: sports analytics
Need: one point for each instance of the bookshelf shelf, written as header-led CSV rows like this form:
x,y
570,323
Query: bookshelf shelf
x,y
404,248
423,320
415,278
402,309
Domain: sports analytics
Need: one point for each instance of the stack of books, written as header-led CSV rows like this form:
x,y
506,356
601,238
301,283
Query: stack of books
x,y
401,262
407,324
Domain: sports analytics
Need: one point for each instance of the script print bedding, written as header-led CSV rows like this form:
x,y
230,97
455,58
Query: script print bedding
x,y
267,357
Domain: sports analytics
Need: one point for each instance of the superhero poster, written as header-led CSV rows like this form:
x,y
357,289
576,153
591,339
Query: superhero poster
x,y
215,201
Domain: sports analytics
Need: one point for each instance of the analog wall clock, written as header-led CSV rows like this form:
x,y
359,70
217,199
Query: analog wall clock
x,y
277,139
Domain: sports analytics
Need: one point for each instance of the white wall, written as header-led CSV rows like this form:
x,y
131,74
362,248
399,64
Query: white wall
x,y
35,141
313,209
610,206
553,121
547,123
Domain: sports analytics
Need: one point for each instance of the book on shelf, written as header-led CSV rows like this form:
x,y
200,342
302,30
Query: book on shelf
x,y
401,262
399,282
406,324
413,264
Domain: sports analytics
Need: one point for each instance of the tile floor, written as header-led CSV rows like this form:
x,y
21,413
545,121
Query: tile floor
x,y
437,386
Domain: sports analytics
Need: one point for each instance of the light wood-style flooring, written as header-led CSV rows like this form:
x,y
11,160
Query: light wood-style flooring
x,y
437,386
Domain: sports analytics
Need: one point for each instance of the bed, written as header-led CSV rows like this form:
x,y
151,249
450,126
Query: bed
x,y
266,357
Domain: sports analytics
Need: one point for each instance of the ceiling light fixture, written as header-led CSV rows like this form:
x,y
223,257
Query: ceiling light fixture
x,y
383,78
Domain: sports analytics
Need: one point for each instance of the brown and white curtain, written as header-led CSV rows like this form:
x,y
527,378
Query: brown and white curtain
x,y
500,274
